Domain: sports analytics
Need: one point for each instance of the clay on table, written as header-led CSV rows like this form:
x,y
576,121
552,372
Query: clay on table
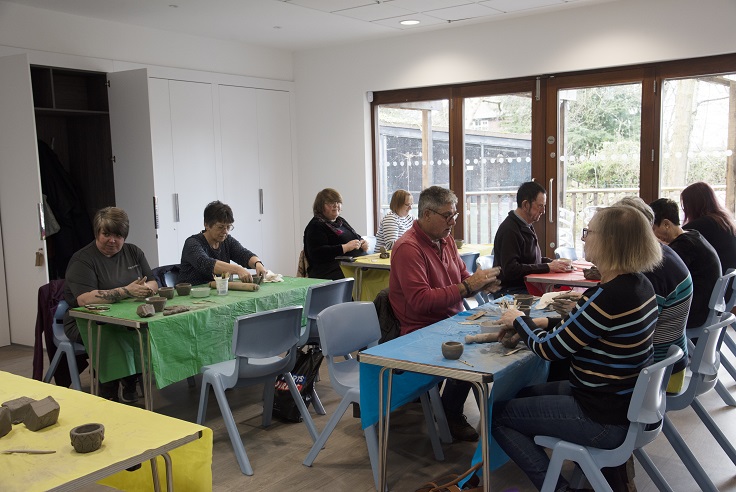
x,y
42,413
145,311
18,408
5,424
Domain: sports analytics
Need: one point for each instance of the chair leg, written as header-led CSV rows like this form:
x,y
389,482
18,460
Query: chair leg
x,y
725,395
327,431
71,362
203,397
232,428
714,429
687,457
318,407
269,389
371,441
301,406
648,465
553,473
431,427
191,382
439,414
52,367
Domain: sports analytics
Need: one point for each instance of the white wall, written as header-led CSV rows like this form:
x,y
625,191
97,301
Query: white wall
x,y
333,119
24,28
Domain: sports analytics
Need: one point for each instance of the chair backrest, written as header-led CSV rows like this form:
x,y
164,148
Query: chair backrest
x,y
166,275
648,402
57,323
267,334
324,295
347,327
718,304
566,252
730,292
484,262
470,261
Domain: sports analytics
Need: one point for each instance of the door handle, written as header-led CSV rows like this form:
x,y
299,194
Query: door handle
x,y
176,207
155,212
550,209
260,200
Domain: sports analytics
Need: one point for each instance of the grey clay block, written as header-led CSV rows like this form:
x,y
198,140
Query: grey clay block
x,y
18,408
42,413
5,424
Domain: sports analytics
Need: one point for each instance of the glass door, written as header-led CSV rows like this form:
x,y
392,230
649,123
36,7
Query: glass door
x,y
593,152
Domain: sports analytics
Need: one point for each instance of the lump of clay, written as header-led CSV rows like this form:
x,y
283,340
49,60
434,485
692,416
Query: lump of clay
x,y
168,311
383,253
18,408
145,311
510,340
5,424
42,413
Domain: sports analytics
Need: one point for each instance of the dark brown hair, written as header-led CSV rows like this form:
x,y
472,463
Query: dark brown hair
x,y
216,212
112,220
699,200
328,195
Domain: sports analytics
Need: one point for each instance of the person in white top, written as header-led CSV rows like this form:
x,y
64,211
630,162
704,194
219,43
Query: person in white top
x,y
396,222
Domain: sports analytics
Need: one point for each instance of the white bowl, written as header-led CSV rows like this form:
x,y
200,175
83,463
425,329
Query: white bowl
x,y
200,292
490,326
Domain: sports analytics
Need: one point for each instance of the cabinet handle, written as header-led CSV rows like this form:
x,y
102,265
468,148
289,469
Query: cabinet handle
x,y
155,212
41,222
176,207
550,209
260,200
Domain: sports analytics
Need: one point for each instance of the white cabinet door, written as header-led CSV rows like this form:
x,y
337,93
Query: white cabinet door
x,y
240,172
276,172
20,196
193,139
130,128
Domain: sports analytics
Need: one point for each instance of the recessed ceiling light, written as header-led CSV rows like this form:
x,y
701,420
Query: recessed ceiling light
x,y
409,22
173,6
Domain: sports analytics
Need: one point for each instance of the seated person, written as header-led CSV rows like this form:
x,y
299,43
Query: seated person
x,y
211,252
428,282
396,222
590,408
328,236
697,254
516,247
104,272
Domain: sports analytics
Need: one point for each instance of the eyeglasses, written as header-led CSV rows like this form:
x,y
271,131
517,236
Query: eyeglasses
x,y
223,227
334,205
585,233
448,216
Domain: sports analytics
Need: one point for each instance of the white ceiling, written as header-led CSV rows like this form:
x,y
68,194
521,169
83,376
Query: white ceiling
x,y
300,24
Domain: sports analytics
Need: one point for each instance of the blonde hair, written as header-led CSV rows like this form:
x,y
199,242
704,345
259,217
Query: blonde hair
x,y
398,200
624,241
112,220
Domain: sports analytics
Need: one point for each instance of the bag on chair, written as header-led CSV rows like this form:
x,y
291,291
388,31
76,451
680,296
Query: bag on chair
x,y
305,373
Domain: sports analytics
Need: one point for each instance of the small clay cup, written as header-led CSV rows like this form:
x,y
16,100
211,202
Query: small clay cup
x,y
524,300
452,350
87,438
157,302
183,289
167,292
459,243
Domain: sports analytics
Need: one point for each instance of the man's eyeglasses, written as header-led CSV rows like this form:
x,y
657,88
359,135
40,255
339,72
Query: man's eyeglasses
x,y
585,233
223,227
448,216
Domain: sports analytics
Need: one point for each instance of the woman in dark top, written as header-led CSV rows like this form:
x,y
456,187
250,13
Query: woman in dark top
x,y
608,339
210,252
705,214
697,254
328,235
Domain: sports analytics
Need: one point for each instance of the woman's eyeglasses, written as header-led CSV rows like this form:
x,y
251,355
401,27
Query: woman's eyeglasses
x,y
223,227
585,233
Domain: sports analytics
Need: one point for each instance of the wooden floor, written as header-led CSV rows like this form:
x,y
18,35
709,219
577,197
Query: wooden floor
x,y
276,453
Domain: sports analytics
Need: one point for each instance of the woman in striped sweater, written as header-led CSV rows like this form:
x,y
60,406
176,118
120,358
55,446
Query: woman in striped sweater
x,y
396,222
608,339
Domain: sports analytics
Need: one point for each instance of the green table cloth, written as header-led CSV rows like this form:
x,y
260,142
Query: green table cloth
x,y
182,343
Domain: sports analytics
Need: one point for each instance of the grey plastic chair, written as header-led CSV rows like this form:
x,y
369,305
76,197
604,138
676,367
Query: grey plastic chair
x,y
318,298
64,347
704,364
343,329
258,341
646,412
730,344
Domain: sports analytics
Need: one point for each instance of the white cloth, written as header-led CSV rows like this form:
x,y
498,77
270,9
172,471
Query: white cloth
x,y
273,277
548,298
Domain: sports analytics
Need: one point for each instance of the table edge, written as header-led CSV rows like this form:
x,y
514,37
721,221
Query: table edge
x,y
447,372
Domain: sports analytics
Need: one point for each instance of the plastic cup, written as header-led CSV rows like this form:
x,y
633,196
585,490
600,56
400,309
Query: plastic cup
x,y
221,284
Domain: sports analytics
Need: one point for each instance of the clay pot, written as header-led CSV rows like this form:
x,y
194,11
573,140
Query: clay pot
x,y
183,289
459,243
87,438
157,302
452,350
167,292
524,300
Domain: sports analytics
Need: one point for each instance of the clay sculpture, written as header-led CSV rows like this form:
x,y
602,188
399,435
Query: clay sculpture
x,y
145,311
169,310
18,408
452,350
383,253
87,438
5,423
42,413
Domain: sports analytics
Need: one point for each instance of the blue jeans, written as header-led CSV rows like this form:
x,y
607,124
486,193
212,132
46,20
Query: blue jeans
x,y
547,409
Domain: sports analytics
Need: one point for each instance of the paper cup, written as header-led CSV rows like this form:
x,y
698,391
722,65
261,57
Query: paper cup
x,y
221,284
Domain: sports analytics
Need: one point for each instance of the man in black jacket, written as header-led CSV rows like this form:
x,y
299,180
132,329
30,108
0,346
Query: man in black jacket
x,y
516,247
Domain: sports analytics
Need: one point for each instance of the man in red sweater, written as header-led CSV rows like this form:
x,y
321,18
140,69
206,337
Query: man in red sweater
x,y
428,281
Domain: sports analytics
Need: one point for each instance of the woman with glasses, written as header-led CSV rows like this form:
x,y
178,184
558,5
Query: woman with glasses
x,y
396,222
328,236
607,338
212,251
